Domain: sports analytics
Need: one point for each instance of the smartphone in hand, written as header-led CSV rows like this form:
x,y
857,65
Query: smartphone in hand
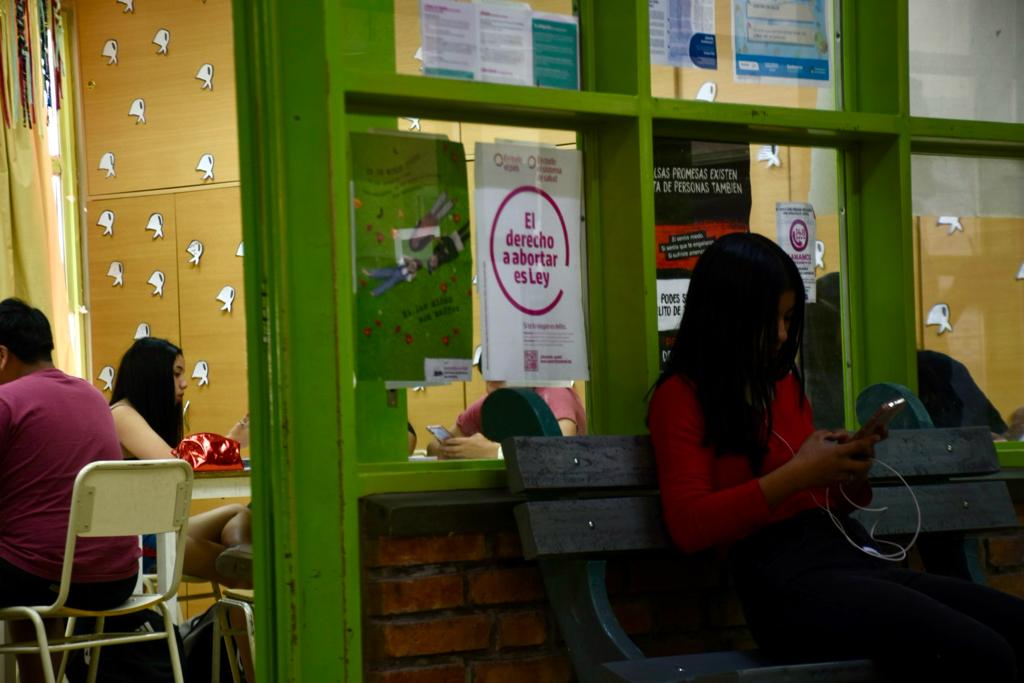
x,y
881,419
439,432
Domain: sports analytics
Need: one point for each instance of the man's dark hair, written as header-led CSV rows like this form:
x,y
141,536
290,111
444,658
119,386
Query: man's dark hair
x,y
25,331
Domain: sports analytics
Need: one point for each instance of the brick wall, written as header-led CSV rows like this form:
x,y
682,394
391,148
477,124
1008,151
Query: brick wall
x,y
466,608
1004,559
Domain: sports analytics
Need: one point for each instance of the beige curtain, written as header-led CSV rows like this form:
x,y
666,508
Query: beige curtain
x,y
31,260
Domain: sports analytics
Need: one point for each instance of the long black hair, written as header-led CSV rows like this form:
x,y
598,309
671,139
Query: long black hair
x,y
726,344
146,378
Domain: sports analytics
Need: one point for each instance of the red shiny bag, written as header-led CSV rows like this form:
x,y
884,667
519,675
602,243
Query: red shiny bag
x,y
208,452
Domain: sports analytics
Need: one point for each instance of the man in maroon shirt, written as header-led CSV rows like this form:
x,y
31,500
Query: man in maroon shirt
x,y
51,426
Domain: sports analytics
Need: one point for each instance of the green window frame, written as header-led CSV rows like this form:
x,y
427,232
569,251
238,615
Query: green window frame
x,y
310,73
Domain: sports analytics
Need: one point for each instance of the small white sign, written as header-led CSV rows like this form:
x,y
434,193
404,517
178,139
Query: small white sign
x,y
671,302
796,229
447,370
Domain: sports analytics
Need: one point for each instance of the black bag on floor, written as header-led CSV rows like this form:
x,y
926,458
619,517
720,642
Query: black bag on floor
x,y
198,637
131,662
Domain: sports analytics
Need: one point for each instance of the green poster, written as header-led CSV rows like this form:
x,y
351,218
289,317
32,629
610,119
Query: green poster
x,y
412,258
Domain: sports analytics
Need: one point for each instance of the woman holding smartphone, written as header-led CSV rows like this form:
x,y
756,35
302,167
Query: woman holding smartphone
x,y
741,468
147,408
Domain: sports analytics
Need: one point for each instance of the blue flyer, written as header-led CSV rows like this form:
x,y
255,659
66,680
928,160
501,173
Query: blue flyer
x,y
786,39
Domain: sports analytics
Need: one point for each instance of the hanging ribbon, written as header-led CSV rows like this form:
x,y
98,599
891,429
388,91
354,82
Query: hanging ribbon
x,y
24,62
5,109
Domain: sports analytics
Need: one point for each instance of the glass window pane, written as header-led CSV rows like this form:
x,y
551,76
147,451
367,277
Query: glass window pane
x,y
966,59
768,190
969,233
442,404
785,52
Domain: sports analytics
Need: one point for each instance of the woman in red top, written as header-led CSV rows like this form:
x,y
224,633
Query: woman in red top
x,y
740,466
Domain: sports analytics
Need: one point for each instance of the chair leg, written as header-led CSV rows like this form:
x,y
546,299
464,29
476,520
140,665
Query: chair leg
x,y
227,634
68,632
172,643
44,646
94,653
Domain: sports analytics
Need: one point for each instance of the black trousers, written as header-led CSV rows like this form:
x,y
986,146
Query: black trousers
x,y
809,595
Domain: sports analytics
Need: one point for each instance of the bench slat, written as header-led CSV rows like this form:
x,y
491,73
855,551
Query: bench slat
x,y
606,525
937,452
961,506
546,463
596,525
536,463
719,667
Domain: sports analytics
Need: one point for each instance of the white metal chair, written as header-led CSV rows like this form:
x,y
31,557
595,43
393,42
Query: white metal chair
x,y
114,498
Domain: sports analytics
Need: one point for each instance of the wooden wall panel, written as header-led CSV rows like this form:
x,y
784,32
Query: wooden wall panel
x,y
115,312
207,332
974,273
183,120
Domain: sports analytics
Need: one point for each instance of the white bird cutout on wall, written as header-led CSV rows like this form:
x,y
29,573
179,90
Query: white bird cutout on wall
x,y
206,166
129,6
770,154
707,92
107,164
205,74
939,315
110,51
819,254
157,280
162,39
107,377
106,221
138,110
142,330
156,224
953,222
116,271
201,372
195,248
226,296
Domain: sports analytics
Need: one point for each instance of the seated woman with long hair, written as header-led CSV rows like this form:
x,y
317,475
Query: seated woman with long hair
x,y
147,408
740,467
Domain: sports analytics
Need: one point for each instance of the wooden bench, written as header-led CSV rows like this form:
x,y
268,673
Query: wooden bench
x,y
589,498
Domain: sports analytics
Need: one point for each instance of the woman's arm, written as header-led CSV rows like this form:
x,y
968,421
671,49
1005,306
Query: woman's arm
x,y
137,437
240,431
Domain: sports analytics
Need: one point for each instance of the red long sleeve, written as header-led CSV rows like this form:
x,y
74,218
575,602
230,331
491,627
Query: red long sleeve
x,y
710,500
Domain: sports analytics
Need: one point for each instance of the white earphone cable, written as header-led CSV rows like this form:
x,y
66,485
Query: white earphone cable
x,y
900,552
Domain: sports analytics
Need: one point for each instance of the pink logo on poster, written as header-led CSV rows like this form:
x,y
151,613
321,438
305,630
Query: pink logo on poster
x,y
529,249
798,235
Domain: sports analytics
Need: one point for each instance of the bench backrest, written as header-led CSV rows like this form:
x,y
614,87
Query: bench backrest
x,y
598,494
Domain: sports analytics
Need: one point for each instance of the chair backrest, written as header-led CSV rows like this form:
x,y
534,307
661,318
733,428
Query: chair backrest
x,y
129,498
516,412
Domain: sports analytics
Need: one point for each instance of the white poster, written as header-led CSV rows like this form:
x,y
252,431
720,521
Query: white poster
x,y
682,33
796,232
506,44
528,263
449,34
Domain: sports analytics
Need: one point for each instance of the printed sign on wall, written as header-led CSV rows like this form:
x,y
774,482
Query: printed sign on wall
x,y
412,258
528,231
796,232
701,192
